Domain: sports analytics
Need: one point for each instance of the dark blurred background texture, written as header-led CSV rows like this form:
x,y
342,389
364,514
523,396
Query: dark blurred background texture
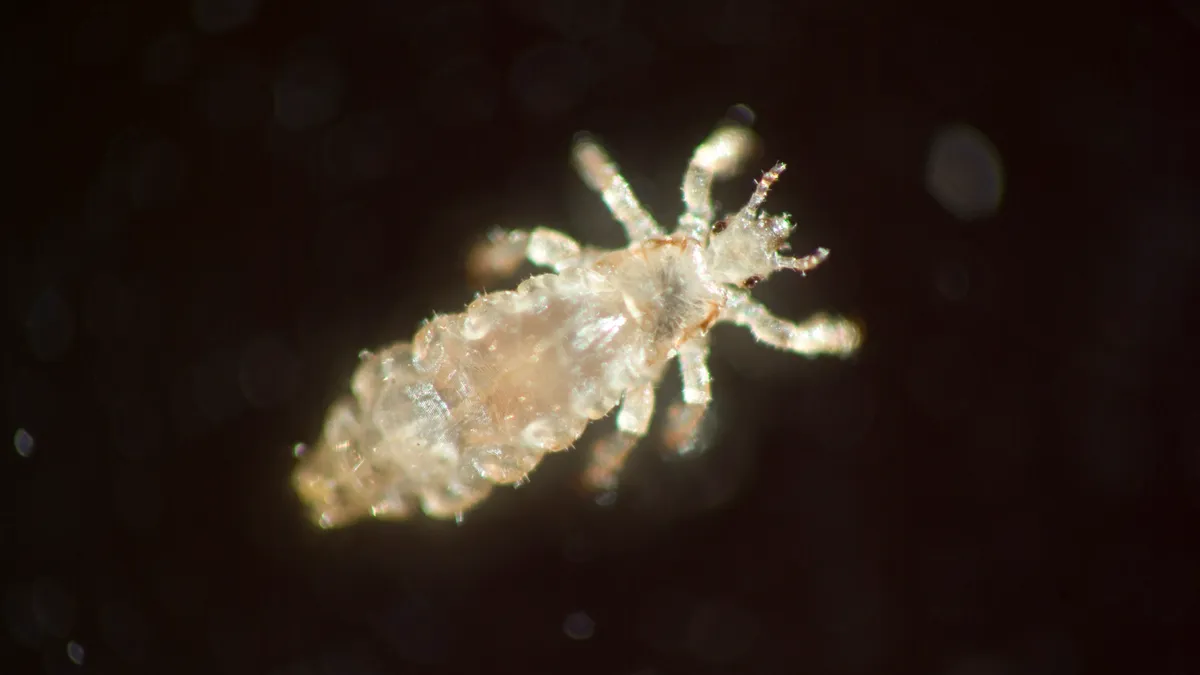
x,y
213,205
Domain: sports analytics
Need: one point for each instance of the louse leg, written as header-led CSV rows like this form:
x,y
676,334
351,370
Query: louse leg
x,y
601,174
609,454
505,250
820,334
719,156
684,417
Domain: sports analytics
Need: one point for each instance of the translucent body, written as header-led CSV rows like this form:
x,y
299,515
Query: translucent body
x,y
479,397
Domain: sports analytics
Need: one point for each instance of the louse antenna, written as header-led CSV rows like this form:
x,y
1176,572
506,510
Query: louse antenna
x,y
761,189
802,265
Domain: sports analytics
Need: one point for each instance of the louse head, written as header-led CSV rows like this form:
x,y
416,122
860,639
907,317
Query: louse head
x,y
746,247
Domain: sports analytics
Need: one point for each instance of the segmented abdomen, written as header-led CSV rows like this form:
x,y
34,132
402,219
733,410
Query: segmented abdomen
x,y
476,399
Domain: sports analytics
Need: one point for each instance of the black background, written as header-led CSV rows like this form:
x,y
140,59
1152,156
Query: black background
x,y
211,207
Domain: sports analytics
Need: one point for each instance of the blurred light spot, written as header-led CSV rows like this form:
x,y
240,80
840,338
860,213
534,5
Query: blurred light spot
x,y
308,93
50,326
236,97
579,626
267,372
462,93
168,59
742,114
223,16
23,441
964,173
75,652
550,79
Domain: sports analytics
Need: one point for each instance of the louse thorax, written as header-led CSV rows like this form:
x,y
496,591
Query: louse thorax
x,y
666,285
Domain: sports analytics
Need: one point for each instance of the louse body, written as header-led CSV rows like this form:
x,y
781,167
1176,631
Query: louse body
x,y
479,397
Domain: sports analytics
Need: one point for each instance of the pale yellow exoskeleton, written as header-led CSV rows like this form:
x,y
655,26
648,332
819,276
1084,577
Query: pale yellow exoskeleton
x,y
476,399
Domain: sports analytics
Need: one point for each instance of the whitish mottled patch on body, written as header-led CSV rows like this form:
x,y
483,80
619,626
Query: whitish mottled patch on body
x,y
478,398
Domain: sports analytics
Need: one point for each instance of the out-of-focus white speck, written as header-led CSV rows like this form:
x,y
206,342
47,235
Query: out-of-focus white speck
x,y
23,441
579,626
75,652
964,172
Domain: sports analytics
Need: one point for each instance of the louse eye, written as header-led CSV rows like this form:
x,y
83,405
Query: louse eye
x,y
719,226
751,282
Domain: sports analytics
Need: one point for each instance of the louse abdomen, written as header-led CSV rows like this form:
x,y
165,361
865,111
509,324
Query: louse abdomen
x,y
521,374
477,399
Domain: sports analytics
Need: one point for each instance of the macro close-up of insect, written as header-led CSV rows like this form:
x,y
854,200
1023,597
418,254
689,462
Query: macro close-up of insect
x,y
450,337
477,398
